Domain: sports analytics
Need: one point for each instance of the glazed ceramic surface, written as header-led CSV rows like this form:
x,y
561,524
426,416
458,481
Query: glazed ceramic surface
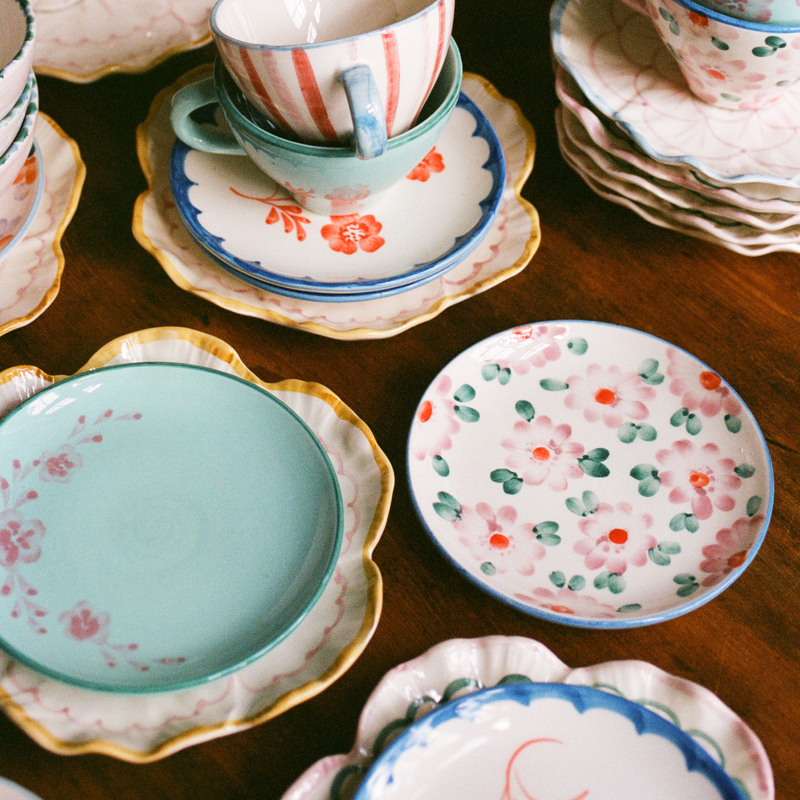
x,y
20,202
524,740
87,39
12,122
771,12
17,40
117,487
590,474
507,248
30,273
13,791
251,224
459,667
135,727
642,90
15,155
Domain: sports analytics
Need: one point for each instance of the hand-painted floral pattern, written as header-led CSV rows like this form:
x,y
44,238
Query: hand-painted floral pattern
x,y
610,395
348,233
699,476
282,209
544,453
569,490
23,185
432,163
616,537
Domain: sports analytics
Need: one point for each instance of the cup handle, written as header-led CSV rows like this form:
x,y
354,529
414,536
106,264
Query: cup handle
x,y
637,5
188,130
366,109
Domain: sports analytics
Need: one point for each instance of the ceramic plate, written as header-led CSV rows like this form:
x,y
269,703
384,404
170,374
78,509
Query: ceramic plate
x,y
530,740
84,40
144,727
458,667
20,202
13,791
30,274
624,69
245,220
508,247
590,474
121,489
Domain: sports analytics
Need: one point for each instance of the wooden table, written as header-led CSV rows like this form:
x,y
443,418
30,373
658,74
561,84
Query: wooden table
x,y
596,261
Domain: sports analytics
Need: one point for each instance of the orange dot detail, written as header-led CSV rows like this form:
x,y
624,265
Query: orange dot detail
x,y
737,559
541,454
710,380
699,480
499,541
605,397
425,411
618,536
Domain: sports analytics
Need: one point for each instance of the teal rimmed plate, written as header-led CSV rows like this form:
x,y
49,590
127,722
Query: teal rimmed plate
x,y
162,525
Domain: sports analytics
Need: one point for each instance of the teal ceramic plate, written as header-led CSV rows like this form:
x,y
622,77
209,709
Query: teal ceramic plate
x,y
162,525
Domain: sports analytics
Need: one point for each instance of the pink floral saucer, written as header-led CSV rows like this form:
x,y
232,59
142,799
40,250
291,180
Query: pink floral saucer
x,y
590,474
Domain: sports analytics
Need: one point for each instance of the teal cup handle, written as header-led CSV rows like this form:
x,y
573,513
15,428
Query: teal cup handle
x,y
194,134
369,122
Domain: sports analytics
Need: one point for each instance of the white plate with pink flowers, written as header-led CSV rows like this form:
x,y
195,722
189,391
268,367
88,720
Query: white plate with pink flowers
x,y
590,474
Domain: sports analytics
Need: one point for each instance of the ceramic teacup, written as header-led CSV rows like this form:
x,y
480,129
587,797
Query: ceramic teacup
x,y
726,61
334,70
11,123
329,180
13,158
772,12
17,34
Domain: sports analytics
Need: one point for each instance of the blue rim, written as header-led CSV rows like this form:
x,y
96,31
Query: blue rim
x,y
416,275
629,622
556,15
23,229
583,698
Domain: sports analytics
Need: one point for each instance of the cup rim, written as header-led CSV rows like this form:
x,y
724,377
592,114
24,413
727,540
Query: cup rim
x,y
22,102
736,22
27,42
222,78
218,34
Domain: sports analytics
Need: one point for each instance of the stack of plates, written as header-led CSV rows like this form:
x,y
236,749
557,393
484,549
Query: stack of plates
x,y
629,126
416,232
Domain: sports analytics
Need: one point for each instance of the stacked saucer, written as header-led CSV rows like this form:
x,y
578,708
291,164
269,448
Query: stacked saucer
x,y
631,128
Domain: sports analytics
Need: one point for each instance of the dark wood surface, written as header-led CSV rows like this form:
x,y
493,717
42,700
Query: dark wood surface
x,y
596,261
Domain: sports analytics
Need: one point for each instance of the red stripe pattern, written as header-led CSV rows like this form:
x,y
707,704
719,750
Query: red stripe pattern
x,y
310,90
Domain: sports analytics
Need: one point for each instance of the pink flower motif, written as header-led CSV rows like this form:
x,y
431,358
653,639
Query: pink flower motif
x,y
609,394
436,422
59,465
82,624
494,537
731,548
19,539
530,347
347,233
699,390
566,601
543,453
433,162
615,537
699,475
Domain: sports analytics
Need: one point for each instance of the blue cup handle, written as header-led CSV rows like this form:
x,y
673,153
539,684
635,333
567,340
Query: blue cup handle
x,y
366,109
197,136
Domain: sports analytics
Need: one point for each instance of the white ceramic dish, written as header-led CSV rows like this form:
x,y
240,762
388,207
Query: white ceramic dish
x,y
16,51
507,248
138,728
528,740
20,202
120,486
30,273
590,474
13,791
87,39
458,667
642,89
17,152
246,222
11,123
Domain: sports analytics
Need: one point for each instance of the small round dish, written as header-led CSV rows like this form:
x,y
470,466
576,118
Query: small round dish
x,y
16,50
156,527
422,227
532,740
12,122
13,791
590,474
20,202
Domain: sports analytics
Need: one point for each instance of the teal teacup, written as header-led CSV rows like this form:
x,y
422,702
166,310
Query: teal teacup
x,y
325,179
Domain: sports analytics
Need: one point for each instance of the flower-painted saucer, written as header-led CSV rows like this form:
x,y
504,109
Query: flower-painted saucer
x,y
84,40
590,474
140,728
19,203
30,271
247,222
621,65
459,667
507,248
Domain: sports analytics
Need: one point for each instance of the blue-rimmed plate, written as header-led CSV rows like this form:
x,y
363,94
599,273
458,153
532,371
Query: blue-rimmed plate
x,y
162,526
545,740
590,474
420,228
